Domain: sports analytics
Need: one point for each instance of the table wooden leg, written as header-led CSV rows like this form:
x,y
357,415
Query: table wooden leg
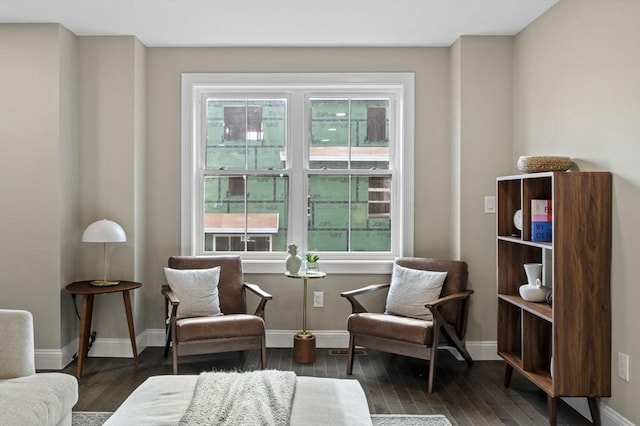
x,y
85,330
132,334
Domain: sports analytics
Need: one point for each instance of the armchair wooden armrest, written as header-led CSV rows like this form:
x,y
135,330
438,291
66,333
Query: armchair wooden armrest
x,y
460,295
264,297
356,307
170,297
452,334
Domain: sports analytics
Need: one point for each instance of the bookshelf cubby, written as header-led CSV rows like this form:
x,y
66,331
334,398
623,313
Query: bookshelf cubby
x,y
563,348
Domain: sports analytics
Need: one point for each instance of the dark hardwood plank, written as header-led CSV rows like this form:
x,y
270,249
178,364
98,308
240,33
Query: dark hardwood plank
x,y
393,384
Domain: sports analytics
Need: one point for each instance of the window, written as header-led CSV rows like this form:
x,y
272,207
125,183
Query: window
x,y
379,197
242,122
320,160
236,186
376,124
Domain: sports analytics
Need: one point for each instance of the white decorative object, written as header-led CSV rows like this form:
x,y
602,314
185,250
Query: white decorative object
x,y
533,293
533,271
517,219
411,289
547,163
197,290
293,261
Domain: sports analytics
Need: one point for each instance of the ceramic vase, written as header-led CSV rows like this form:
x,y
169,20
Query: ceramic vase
x,y
293,261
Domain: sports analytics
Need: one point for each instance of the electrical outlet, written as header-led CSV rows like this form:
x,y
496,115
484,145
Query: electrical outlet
x,y
623,366
318,299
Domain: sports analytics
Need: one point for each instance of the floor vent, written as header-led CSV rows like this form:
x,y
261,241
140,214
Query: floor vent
x,y
358,352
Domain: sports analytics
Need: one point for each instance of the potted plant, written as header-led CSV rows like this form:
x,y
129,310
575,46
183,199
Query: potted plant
x,y
312,263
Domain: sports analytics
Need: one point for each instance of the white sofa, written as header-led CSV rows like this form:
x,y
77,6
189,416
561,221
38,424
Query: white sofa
x,y
27,398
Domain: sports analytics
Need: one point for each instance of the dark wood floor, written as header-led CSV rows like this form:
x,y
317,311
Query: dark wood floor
x,y
393,384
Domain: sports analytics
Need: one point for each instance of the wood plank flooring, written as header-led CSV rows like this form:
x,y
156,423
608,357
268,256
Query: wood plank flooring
x,y
393,384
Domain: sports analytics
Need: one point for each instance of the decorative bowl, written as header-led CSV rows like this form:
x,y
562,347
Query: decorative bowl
x,y
532,293
536,164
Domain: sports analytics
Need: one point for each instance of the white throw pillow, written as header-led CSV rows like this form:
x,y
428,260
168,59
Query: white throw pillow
x,y
411,289
197,290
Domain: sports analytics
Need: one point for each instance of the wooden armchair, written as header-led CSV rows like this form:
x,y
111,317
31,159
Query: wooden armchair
x,y
413,337
235,330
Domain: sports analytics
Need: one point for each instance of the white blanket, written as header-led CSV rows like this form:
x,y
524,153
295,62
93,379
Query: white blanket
x,y
252,398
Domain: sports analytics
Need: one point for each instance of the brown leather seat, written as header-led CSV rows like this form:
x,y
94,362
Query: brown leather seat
x,y
236,330
410,336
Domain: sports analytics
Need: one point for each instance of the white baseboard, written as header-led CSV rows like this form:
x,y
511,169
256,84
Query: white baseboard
x,y
57,359
608,416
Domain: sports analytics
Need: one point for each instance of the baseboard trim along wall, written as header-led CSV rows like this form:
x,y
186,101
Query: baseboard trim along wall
x,y
57,359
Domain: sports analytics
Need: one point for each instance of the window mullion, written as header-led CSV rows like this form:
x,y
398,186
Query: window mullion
x,y
296,162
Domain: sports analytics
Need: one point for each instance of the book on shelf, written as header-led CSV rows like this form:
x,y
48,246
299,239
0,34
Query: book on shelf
x,y
541,220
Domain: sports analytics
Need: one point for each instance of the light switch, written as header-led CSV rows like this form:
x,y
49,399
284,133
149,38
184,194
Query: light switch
x,y
489,204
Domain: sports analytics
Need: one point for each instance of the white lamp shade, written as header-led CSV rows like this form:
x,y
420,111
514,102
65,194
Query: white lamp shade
x,y
104,231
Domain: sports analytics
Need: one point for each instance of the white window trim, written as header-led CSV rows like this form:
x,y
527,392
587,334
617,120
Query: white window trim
x,y
194,83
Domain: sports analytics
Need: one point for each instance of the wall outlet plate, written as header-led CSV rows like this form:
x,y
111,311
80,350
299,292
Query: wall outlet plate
x,y
318,299
623,366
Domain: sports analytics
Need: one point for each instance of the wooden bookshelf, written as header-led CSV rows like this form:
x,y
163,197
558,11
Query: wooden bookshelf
x,y
564,349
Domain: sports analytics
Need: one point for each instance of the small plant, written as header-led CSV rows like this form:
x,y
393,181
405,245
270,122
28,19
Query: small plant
x,y
312,258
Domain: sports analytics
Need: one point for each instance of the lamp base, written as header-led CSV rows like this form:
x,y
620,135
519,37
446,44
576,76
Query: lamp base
x,y
103,283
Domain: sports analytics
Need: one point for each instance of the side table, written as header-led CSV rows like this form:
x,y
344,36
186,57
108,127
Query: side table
x,y
88,291
304,343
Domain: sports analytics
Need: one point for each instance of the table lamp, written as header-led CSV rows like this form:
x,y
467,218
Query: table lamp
x,y
104,231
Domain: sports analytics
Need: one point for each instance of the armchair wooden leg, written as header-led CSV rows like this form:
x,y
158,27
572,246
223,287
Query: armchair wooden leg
x,y
175,360
168,340
432,367
350,355
433,357
174,348
264,353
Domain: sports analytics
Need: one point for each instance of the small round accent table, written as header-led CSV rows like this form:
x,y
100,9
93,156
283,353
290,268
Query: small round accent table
x,y
304,343
88,291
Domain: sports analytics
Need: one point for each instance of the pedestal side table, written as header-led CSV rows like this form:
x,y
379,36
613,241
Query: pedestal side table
x,y
304,342
88,291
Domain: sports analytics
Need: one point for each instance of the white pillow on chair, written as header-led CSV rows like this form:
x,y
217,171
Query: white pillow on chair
x,y
411,290
197,291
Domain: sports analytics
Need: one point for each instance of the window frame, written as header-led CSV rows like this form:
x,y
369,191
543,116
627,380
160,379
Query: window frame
x,y
401,158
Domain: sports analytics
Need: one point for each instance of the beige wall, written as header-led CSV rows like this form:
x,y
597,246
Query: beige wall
x,y
69,181
112,131
38,171
165,65
577,88
481,147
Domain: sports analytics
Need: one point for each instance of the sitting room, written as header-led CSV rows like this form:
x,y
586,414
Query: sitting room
x,y
387,212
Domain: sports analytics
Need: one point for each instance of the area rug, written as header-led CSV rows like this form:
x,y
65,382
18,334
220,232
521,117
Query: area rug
x,y
409,420
97,418
89,418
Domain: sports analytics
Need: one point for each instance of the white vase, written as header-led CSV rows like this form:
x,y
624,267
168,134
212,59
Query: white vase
x,y
293,261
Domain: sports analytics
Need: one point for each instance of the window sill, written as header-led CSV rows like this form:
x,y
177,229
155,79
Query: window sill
x,y
362,267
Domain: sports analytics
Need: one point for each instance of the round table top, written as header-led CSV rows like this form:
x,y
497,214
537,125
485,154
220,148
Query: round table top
x,y
307,275
85,287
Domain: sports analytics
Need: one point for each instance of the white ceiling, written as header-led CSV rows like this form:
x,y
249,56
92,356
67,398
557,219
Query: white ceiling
x,y
282,22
